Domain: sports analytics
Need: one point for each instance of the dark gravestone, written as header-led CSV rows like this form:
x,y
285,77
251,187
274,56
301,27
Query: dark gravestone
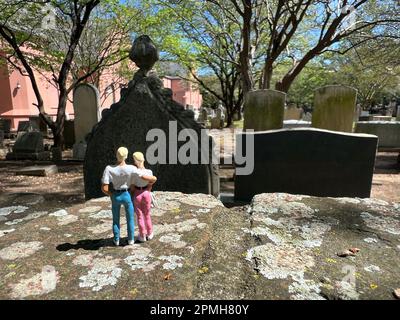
x,y
146,105
29,145
1,138
37,122
28,126
69,133
5,126
309,161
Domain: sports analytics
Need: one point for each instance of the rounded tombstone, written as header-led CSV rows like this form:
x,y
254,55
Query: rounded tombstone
x,y
334,108
264,110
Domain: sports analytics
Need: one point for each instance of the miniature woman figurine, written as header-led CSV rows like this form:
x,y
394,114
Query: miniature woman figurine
x,y
141,190
120,175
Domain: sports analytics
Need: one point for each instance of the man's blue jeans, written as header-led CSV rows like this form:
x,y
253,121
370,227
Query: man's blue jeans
x,y
118,199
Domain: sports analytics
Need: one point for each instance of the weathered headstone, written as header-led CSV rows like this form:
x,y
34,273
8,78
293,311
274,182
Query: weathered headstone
x,y
86,110
29,145
5,126
264,110
216,123
203,116
27,126
1,138
334,108
357,113
293,113
388,132
37,122
79,150
398,113
146,105
307,116
41,171
308,161
69,133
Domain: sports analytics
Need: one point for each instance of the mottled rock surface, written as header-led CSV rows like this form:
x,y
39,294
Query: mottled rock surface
x,y
297,238
280,247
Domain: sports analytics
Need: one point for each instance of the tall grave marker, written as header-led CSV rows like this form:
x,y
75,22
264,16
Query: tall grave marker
x,y
334,108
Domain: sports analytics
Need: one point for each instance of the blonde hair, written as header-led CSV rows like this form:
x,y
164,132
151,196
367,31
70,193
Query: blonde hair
x,y
122,154
138,156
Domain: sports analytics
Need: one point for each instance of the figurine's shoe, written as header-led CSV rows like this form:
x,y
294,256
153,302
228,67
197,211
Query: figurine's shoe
x,y
141,239
116,242
150,236
131,242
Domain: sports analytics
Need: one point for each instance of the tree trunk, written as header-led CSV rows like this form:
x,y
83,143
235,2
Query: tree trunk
x,y
245,54
267,74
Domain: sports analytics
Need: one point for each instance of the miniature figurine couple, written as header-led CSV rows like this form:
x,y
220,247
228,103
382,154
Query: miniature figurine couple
x,y
130,182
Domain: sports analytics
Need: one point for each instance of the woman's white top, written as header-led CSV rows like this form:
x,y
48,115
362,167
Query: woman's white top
x,y
139,182
119,176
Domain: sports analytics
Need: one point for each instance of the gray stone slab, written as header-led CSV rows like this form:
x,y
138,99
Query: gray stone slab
x,y
309,161
388,132
42,171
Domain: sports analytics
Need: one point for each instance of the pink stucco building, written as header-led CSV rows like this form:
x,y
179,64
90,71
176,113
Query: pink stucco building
x,y
184,92
17,96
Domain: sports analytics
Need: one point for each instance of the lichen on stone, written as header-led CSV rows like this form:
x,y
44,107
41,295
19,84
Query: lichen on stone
x,y
104,272
302,289
14,222
103,199
157,212
372,268
381,223
40,284
182,226
371,240
102,214
13,209
90,209
172,263
4,232
174,239
346,290
201,200
84,260
20,250
346,200
64,220
279,262
140,257
59,213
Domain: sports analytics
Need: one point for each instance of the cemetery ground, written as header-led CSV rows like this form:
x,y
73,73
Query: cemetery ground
x,y
54,245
